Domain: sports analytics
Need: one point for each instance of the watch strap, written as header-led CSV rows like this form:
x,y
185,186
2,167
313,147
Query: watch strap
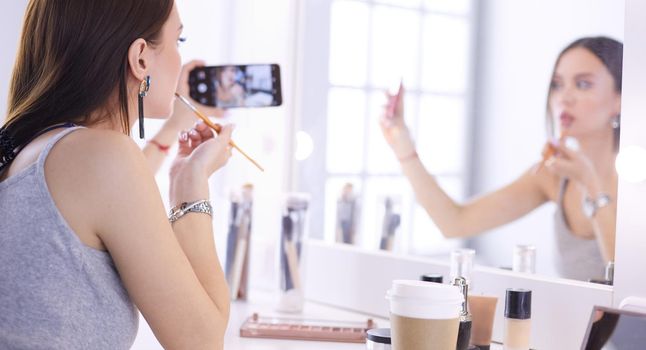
x,y
199,206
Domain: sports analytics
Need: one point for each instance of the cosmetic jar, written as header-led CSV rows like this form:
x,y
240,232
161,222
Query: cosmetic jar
x,y
524,258
432,277
378,339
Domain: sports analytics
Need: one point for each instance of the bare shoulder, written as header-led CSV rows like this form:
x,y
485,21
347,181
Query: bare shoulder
x,y
98,165
91,172
96,156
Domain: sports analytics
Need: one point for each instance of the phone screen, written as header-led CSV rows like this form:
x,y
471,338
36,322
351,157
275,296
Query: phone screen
x,y
236,86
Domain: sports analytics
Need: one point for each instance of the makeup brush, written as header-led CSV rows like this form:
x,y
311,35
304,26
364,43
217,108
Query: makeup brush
x,y
216,127
548,153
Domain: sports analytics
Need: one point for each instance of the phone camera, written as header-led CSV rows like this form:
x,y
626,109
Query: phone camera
x,y
202,88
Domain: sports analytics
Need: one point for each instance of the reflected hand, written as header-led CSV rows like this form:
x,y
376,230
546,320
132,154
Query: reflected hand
x,y
394,128
574,165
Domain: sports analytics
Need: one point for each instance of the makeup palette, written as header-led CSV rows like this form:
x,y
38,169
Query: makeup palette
x,y
304,329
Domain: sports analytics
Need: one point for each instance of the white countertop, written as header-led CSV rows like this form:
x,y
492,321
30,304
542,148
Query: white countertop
x,y
263,303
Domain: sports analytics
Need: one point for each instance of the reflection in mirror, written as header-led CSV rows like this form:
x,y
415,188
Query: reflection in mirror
x,y
479,79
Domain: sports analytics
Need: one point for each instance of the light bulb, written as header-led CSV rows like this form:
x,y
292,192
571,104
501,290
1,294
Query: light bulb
x,y
304,146
631,164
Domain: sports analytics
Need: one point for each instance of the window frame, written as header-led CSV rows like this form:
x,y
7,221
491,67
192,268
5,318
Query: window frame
x,y
312,117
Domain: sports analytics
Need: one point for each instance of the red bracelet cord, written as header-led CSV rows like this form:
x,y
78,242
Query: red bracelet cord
x,y
162,148
408,157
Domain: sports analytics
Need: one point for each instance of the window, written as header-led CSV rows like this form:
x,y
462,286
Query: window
x,y
373,44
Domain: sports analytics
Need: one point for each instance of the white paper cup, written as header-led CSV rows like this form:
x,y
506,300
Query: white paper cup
x,y
424,315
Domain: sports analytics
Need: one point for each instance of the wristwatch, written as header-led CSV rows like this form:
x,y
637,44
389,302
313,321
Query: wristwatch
x,y
201,206
591,206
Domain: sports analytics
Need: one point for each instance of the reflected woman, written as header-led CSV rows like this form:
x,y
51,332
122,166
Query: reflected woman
x,y
229,90
577,174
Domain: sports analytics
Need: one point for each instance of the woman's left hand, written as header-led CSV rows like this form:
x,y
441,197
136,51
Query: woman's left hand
x,y
574,165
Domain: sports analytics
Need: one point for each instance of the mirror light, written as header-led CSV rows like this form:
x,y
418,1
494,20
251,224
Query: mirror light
x,y
304,146
631,164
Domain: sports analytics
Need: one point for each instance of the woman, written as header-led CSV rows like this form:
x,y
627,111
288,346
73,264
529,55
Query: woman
x,y
84,238
585,99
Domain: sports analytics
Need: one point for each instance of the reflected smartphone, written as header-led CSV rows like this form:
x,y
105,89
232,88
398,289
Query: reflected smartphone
x,y
236,86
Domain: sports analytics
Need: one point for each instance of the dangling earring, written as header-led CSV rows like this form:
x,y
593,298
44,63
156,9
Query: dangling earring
x,y
615,122
143,90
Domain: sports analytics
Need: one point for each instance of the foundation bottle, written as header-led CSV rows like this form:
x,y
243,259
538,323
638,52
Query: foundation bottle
x,y
518,312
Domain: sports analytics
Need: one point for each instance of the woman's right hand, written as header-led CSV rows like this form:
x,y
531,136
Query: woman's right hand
x,y
394,128
199,155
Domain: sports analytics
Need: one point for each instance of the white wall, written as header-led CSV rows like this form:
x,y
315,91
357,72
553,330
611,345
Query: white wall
x,y
10,26
240,32
519,44
631,224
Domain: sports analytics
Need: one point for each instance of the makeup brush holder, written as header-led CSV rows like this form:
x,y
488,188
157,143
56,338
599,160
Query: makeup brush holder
x,y
238,241
389,212
293,232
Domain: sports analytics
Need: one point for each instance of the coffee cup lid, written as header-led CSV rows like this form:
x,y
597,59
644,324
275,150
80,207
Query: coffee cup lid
x,y
424,290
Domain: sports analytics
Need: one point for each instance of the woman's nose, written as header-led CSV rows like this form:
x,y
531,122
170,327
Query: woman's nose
x,y
566,97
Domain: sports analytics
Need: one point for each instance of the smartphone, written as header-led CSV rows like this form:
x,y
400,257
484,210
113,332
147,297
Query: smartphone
x,y
236,86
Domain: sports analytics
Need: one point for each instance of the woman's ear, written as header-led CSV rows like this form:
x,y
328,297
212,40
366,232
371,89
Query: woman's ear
x,y
138,56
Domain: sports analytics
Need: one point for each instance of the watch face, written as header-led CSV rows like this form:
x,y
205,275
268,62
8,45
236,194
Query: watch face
x,y
588,207
591,206
602,201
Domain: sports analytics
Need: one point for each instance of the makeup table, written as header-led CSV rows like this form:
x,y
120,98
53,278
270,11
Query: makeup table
x,y
263,303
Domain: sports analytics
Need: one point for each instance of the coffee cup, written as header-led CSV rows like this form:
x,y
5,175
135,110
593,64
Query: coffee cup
x,y
424,316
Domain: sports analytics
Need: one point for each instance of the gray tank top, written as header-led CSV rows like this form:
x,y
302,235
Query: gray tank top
x,y
55,292
576,258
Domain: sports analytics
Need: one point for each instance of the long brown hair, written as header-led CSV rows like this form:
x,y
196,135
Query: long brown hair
x,y
611,53
71,60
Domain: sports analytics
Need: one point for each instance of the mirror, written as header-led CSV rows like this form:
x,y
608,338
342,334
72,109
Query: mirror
x,y
477,77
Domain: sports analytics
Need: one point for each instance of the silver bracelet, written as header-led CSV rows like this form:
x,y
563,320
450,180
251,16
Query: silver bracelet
x,y
201,206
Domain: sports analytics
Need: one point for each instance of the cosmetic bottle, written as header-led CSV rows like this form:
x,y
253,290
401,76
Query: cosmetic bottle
x,y
483,313
464,332
610,272
524,258
518,312
462,265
